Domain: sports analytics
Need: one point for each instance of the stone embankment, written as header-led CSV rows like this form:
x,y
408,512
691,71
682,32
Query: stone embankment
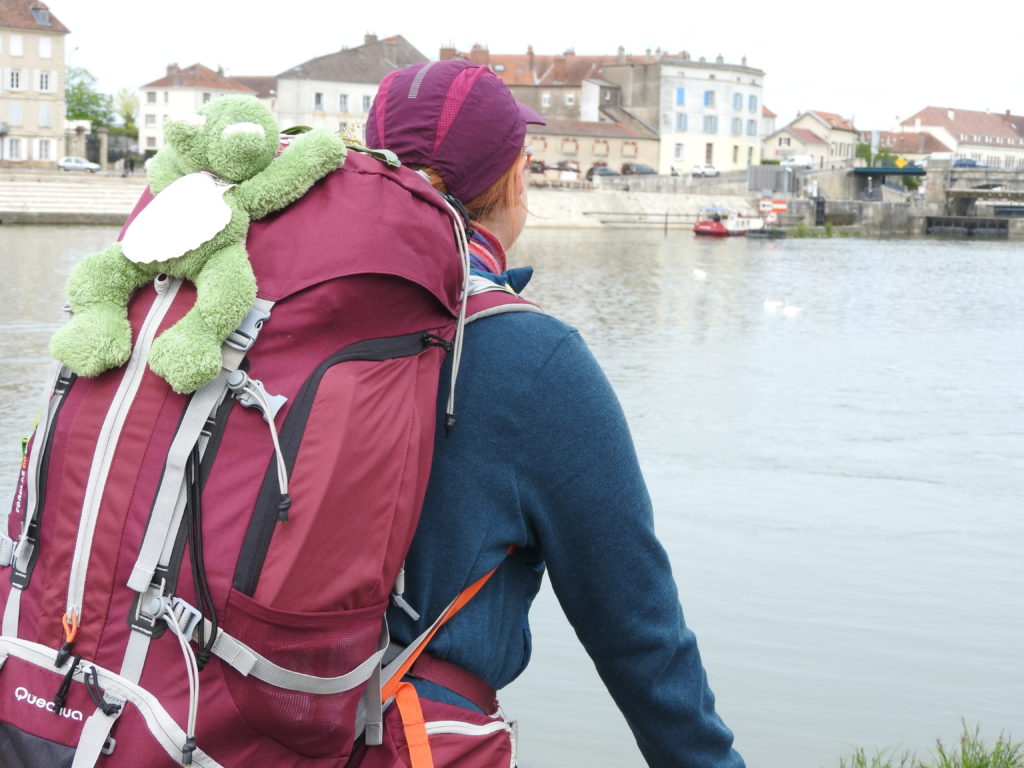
x,y
63,198
67,198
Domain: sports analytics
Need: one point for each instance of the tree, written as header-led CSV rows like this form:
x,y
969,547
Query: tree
x,y
126,104
84,101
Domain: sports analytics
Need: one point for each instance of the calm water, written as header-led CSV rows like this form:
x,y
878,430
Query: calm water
x,y
840,491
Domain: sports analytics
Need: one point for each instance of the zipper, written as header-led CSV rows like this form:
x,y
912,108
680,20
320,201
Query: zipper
x,y
36,482
266,513
459,728
106,443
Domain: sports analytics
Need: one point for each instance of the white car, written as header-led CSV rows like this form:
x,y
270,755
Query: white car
x,y
77,164
798,161
705,170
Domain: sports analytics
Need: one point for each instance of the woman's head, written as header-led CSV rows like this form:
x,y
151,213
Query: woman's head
x,y
457,119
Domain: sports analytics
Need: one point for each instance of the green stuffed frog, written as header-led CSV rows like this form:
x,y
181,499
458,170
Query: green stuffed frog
x,y
218,172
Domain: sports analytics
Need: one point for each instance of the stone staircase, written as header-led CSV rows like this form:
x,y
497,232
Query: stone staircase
x,y
61,198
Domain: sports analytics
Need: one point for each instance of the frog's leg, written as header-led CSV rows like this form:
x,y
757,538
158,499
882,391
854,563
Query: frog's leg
x,y
188,354
98,336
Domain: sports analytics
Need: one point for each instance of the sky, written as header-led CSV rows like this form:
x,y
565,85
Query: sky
x,y
875,62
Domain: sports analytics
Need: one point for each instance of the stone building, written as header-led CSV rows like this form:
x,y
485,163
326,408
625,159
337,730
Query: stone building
x,y
32,106
336,91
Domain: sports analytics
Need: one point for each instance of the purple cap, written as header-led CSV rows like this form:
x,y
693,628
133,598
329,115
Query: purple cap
x,y
453,116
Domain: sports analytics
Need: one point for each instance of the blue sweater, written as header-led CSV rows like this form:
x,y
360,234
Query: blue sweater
x,y
541,459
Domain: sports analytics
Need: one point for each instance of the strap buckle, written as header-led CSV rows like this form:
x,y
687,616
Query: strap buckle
x,y
244,336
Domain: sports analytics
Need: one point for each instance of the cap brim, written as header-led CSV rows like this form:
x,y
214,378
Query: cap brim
x,y
529,116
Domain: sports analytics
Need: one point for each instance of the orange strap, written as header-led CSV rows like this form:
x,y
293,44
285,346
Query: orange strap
x,y
388,690
415,727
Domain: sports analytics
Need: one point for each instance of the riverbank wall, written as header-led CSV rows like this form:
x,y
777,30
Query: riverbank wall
x,y
108,198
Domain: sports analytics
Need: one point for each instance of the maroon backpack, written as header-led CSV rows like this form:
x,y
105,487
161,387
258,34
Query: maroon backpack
x,y
202,579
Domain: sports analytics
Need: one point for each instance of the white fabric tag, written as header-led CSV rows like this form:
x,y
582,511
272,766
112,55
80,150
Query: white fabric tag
x,y
182,217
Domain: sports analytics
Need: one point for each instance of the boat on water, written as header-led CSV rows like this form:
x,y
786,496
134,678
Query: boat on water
x,y
723,222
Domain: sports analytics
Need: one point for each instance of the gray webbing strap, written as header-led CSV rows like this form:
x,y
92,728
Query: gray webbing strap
x,y
135,656
12,610
95,732
204,402
250,663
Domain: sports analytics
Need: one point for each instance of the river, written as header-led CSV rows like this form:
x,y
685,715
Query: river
x,y
839,489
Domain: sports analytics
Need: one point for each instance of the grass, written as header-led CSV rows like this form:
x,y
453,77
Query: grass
x,y
970,752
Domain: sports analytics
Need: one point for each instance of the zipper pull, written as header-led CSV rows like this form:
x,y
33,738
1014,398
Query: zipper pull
x,y
92,687
70,630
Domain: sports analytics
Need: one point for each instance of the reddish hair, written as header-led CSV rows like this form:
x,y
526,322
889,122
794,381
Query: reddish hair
x,y
501,194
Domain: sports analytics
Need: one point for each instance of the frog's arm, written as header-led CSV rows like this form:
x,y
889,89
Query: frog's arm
x,y
309,158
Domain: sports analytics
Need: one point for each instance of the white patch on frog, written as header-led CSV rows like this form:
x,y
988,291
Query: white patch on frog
x,y
188,213
245,127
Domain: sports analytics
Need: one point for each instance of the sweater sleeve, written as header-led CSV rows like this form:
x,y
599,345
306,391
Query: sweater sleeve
x,y
586,503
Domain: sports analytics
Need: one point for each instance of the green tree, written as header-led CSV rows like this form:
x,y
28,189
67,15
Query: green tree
x,y
885,155
84,101
126,104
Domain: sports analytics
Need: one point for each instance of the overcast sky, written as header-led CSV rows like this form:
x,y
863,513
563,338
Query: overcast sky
x,y
871,61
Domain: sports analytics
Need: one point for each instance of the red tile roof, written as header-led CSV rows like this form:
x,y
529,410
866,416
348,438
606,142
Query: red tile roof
x,y
765,112
833,120
806,135
987,126
197,76
908,143
264,86
18,14
538,69
622,128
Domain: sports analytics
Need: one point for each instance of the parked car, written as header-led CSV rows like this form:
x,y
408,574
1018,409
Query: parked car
x,y
77,164
967,162
705,170
797,161
631,169
601,170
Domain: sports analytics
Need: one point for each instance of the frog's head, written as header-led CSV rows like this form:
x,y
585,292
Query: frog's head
x,y
233,137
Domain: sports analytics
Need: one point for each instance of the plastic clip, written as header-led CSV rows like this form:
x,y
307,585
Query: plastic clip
x,y
244,336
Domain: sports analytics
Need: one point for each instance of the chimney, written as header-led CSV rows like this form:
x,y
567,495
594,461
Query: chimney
x,y
743,61
220,70
480,55
719,59
620,58
559,73
529,59
447,53
368,38
172,69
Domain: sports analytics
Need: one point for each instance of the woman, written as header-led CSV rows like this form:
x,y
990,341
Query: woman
x,y
538,473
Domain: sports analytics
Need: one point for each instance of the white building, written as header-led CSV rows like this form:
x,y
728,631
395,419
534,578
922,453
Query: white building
x,y
32,104
336,91
991,138
706,112
830,140
179,92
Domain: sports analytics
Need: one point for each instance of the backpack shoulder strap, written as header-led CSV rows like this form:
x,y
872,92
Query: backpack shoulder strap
x,y
488,298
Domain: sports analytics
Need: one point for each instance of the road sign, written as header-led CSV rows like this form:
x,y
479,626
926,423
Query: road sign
x,y
901,162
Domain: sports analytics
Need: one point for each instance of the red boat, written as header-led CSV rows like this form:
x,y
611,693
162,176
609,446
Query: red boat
x,y
720,222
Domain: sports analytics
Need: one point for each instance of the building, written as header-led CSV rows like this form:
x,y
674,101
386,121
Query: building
x,y
179,92
336,91
829,139
264,87
990,138
32,107
672,111
910,146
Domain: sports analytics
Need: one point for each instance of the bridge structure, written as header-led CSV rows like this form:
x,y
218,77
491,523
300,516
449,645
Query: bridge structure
x,y
961,190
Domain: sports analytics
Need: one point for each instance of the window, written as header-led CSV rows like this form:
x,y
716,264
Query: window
x,y
15,46
151,142
14,112
680,97
709,153
737,126
45,47
14,79
41,16
206,98
150,119
44,115
570,99
735,154
342,126
679,152
752,103
14,149
151,97
600,147
43,149
709,98
783,141
629,149
367,103
751,127
570,146
318,100
43,80
681,122
737,101
710,124
343,102
545,100
750,155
